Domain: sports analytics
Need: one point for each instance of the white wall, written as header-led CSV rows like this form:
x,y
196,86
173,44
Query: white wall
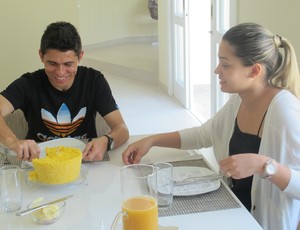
x,y
164,36
280,17
106,20
22,24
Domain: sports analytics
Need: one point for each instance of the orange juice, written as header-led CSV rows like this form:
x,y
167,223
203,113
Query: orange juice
x,y
142,214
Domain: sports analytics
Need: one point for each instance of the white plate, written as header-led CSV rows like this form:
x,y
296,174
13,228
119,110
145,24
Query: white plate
x,y
79,180
196,188
68,142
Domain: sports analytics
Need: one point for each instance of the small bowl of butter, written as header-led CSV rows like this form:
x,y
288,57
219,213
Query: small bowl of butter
x,y
49,214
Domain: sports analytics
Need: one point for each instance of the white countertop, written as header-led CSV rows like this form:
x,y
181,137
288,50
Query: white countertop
x,y
98,199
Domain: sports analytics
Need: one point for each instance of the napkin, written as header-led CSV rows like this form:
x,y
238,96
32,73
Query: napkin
x,y
167,227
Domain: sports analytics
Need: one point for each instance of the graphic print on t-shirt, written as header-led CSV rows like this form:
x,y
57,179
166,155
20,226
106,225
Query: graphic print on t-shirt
x,y
62,125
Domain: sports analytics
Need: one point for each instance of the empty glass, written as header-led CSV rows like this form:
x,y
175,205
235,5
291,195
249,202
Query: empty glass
x,y
164,184
11,188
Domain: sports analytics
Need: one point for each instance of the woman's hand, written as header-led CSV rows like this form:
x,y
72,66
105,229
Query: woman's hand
x,y
242,165
135,151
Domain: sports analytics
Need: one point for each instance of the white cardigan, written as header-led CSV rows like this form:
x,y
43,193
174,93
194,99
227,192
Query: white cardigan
x,y
274,209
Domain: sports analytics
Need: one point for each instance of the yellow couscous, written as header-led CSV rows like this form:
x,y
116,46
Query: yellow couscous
x,y
60,165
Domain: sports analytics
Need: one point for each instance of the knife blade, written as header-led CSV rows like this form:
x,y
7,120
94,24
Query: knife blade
x,y
29,210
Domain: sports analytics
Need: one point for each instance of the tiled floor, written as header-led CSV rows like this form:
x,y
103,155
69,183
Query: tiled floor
x,y
146,108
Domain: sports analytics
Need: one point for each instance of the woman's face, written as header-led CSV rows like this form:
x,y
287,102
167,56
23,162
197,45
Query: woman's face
x,y
234,77
60,67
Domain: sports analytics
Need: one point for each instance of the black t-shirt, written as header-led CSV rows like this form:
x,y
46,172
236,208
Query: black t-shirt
x,y
51,113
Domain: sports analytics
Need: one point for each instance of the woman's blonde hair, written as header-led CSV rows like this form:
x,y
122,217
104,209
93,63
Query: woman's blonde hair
x,y
254,44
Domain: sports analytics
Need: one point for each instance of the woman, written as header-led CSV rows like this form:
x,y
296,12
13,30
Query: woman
x,y
256,135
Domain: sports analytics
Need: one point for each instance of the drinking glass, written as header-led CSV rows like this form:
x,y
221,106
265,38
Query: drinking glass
x,y
139,198
164,184
11,188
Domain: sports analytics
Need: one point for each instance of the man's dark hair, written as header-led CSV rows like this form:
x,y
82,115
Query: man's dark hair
x,y
61,36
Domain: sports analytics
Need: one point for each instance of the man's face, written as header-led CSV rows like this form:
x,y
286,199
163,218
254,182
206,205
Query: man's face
x,y
60,67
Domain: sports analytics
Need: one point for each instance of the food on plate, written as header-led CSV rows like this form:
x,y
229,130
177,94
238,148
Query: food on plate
x,y
60,165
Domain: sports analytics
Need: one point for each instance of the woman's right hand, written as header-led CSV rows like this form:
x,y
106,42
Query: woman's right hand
x,y
135,151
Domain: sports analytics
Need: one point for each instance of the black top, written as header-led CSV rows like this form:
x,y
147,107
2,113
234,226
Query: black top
x,y
51,113
243,143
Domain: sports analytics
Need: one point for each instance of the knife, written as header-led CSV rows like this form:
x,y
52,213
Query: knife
x,y
192,180
24,212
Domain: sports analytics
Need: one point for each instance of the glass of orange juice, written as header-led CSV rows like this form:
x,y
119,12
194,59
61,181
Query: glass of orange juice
x,y
139,197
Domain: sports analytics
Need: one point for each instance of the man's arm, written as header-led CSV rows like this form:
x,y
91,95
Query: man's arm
x,y
119,131
6,135
96,148
25,149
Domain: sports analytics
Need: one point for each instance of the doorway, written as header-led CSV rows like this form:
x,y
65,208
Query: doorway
x,y
201,26
200,58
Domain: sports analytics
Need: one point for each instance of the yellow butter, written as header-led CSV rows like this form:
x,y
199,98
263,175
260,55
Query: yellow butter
x,y
48,213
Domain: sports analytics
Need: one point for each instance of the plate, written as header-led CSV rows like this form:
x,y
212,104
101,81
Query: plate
x,y
79,180
68,142
180,173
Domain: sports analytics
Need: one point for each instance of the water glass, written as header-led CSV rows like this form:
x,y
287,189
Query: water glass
x,y
11,188
164,184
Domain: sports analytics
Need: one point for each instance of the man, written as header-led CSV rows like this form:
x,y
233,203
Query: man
x,y
62,100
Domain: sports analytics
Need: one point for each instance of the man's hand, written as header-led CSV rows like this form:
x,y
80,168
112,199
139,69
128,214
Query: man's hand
x,y
95,149
26,150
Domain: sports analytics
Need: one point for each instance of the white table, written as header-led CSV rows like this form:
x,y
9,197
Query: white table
x,y
98,199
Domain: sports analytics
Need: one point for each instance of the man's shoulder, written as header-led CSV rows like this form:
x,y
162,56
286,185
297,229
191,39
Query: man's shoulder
x,y
38,74
88,70
89,74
